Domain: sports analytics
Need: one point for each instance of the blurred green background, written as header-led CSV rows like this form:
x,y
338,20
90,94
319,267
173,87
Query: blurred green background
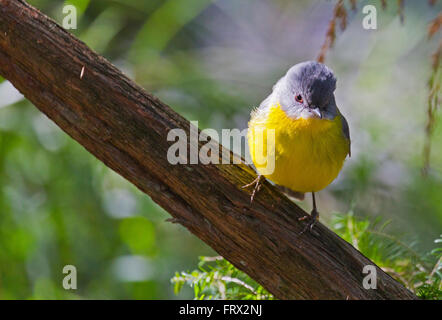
x,y
212,61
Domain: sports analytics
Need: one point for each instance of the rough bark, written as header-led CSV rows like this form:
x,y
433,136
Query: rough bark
x,y
126,128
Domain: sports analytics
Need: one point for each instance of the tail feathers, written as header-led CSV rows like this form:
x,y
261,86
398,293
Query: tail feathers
x,y
289,192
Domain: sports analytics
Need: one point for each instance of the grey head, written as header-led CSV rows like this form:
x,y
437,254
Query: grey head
x,y
306,91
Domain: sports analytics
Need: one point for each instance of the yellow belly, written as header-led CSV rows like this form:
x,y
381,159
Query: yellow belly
x,y
308,153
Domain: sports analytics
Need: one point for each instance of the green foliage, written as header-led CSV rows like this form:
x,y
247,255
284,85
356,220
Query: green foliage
x,y
419,273
216,278
139,234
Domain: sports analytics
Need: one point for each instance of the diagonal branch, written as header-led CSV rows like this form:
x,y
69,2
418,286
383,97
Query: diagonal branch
x,y
126,128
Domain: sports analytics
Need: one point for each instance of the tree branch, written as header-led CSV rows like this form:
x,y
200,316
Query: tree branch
x,y
126,128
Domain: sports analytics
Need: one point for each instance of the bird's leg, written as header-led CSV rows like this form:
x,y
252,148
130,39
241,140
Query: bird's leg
x,y
257,183
313,217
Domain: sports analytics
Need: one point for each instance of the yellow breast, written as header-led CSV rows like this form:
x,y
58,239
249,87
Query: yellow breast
x,y
307,153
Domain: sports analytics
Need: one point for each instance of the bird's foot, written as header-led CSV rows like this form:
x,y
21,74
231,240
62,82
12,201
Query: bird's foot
x,y
257,184
313,217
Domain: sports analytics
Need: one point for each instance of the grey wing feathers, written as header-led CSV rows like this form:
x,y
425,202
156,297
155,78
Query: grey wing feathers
x,y
266,102
294,194
346,132
261,111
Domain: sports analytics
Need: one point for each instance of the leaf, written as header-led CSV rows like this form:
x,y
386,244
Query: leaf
x,y
164,24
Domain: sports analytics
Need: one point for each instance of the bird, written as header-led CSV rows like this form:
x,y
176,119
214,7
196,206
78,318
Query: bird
x,y
299,129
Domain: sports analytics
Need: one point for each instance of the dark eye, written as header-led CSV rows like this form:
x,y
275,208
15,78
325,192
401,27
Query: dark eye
x,y
299,98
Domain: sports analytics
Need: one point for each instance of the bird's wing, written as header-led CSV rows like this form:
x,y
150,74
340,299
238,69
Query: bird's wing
x,y
346,131
262,110
294,194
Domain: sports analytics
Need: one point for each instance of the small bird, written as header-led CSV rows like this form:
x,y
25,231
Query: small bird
x,y
311,136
